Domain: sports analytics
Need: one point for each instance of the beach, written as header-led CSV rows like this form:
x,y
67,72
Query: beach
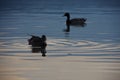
x,y
57,67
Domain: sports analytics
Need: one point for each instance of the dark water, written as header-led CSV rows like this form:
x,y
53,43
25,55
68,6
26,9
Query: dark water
x,y
21,17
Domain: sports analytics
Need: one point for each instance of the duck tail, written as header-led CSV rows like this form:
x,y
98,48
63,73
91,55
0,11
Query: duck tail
x,y
32,35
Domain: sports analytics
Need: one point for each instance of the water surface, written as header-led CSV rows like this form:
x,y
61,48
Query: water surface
x,y
99,39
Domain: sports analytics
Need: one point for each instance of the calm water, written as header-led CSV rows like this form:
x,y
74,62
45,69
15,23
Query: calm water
x,y
97,44
37,17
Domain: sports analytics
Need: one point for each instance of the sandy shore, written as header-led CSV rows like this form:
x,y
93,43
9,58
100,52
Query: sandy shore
x,y
53,67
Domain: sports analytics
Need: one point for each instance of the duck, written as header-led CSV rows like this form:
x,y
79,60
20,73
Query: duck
x,y
74,21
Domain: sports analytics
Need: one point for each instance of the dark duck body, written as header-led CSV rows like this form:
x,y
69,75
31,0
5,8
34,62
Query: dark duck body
x,y
74,21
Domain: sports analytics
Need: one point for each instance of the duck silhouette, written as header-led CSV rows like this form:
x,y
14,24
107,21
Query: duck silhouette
x,y
74,21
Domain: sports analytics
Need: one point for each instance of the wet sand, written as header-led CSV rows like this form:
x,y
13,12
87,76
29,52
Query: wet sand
x,y
56,67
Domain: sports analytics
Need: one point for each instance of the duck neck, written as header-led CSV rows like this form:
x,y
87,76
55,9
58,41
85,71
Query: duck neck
x,y
68,23
68,18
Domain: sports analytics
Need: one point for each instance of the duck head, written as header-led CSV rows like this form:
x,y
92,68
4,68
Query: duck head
x,y
67,14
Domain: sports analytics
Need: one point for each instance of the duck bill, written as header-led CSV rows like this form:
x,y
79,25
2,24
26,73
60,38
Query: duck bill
x,y
63,16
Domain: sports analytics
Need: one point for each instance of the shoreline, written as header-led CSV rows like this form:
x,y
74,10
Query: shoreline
x,y
56,67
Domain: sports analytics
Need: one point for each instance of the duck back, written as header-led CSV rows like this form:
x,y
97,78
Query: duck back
x,y
77,21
